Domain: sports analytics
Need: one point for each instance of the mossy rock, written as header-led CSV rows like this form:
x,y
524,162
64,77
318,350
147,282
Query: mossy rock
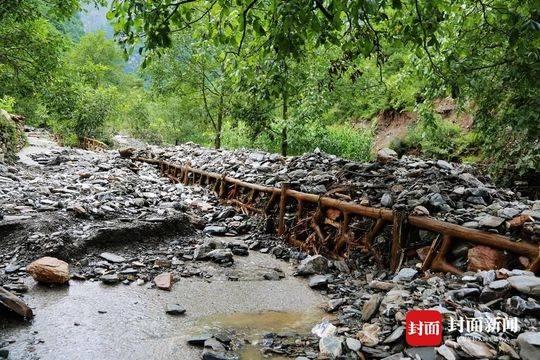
x,y
11,137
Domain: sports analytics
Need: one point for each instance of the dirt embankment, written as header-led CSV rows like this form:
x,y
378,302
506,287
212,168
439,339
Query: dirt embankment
x,y
393,125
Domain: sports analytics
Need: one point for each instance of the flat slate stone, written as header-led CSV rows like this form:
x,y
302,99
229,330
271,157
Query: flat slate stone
x,y
174,309
199,340
112,257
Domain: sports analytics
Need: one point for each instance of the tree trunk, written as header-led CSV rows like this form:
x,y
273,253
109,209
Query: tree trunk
x,y
284,141
219,123
284,144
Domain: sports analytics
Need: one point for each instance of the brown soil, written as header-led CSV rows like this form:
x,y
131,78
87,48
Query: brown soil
x,y
392,124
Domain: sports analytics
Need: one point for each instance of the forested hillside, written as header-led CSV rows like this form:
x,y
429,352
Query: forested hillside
x,y
452,80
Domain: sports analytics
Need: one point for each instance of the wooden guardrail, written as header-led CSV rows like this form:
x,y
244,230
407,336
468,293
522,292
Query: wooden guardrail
x,y
313,213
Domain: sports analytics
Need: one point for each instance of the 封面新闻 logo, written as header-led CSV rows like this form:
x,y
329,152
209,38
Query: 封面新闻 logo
x,y
423,328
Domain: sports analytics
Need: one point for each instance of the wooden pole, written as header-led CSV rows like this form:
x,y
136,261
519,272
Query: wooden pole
x,y
282,208
398,240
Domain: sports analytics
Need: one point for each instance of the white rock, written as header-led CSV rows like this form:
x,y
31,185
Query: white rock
x,y
324,329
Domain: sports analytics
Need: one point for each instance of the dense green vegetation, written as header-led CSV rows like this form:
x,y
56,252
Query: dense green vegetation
x,y
285,76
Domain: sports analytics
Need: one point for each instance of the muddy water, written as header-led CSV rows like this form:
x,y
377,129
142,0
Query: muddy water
x,y
88,320
252,326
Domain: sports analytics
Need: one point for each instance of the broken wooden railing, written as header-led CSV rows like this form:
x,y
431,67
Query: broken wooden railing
x,y
323,224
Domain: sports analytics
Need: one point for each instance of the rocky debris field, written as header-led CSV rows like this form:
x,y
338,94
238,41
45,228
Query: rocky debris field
x,y
78,197
83,216
370,310
455,193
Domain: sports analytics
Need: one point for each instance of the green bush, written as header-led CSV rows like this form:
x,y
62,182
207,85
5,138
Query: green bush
x,y
432,135
93,108
341,140
348,142
7,103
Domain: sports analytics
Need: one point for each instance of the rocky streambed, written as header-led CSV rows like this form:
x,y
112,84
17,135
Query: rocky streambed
x,y
161,270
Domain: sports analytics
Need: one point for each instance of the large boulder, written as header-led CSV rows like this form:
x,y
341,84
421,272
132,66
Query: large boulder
x,y
49,270
313,265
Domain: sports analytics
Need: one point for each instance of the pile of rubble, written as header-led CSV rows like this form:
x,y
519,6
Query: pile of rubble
x,y
78,200
485,314
91,185
451,192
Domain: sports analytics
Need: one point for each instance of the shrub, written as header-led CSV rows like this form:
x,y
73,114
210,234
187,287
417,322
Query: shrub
x,y
7,103
348,142
432,135
94,107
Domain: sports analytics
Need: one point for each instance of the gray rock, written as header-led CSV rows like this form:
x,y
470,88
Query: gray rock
x,y
508,213
20,288
371,306
215,355
313,265
199,340
298,174
110,257
529,285
11,268
318,281
423,353
405,274
447,352
444,165
353,344
386,155
110,279
220,255
334,304
395,335
331,345
529,345
175,309
215,230
396,356
386,200
214,344
395,298
499,285
489,221
437,202
520,307
470,179
476,349
488,295
471,224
